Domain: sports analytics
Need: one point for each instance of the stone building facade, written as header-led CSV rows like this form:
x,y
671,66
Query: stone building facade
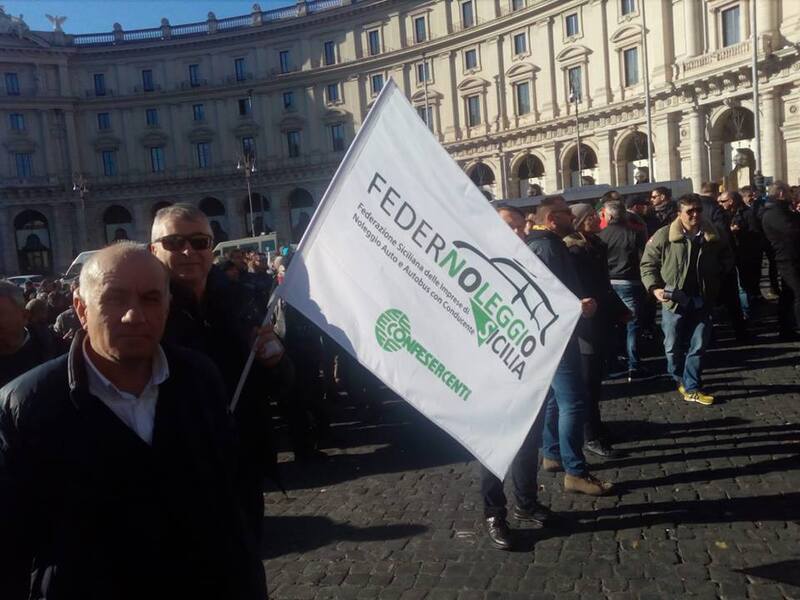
x,y
161,115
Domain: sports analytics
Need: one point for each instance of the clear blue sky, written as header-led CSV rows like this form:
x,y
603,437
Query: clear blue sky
x,y
86,16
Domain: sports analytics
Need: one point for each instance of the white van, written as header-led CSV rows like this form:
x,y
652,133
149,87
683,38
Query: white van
x,y
267,244
75,268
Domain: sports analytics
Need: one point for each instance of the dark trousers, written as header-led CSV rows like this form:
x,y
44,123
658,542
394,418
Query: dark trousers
x,y
749,268
592,369
772,268
789,299
729,298
523,476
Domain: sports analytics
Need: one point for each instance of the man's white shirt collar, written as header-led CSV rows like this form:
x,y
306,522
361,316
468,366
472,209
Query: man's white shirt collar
x,y
137,412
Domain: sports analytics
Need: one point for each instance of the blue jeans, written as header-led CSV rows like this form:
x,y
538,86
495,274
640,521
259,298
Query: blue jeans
x,y
686,335
562,437
744,296
632,295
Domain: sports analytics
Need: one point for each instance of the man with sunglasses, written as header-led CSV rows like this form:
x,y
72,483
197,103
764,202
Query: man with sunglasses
x,y
682,266
219,318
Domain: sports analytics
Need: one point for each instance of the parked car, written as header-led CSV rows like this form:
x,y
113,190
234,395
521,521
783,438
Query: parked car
x,y
75,268
21,280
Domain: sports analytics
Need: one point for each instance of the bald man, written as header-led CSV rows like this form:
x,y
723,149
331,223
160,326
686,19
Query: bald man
x,y
115,459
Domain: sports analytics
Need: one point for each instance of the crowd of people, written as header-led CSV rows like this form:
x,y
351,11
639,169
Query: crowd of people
x,y
698,258
125,474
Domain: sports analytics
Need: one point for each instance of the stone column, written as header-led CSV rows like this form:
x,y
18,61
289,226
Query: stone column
x,y
230,148
766,13
179,157
665,160
696,140
603,90
61,242
692,21
51,166
545,91
8,243
771,139
552,170
72,142
141,221
234,210
605,158
447,72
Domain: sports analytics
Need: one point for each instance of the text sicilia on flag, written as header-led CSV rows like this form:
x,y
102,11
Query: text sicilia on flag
x,y
407,266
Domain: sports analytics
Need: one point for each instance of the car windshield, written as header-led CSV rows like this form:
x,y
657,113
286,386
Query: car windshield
x,y
73,271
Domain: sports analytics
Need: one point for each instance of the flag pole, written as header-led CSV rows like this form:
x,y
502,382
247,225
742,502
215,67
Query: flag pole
x,y
309,234
756,115
647,108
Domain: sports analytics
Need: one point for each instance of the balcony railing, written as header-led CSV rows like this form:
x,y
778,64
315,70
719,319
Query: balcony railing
x,y
211,26
740,50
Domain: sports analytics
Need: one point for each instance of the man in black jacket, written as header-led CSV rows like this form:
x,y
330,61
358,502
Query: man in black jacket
x,y
564,412
215,316
116,460
781,227
22,346
748,244
665,210
624,248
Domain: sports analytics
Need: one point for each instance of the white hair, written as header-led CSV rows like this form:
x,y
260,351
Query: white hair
x,y
94,268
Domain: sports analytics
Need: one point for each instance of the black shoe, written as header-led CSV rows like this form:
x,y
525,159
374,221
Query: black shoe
x,y
640,374
537,515
601,448
499,533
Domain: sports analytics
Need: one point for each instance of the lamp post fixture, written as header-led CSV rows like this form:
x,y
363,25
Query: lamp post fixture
x,y
247,164
80,184
575,99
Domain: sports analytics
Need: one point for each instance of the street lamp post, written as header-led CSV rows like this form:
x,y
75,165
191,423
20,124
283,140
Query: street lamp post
x,y
80,184
575,98
247,164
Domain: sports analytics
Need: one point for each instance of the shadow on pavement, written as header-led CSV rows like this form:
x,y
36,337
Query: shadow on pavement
x,y
780,507
785,571
402,440
789,463
283,535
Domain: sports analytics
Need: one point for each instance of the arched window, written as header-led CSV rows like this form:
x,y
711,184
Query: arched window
x,y
531,176
483,177
588,167
32,234
118,224
262,218
215,211
301,207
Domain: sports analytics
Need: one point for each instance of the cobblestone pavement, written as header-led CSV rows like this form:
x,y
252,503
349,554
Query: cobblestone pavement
x,y
708,502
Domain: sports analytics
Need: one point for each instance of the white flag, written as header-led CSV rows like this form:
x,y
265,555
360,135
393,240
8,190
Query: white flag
x,y
408,267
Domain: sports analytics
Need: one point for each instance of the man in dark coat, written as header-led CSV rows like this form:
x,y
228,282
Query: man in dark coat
x,y
522,473
664,212
781,227
215,316
748,244
22,346
116,460
564,412
625,247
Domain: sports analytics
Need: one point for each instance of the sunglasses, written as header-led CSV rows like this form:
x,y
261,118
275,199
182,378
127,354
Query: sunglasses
x,y
177,243
694,211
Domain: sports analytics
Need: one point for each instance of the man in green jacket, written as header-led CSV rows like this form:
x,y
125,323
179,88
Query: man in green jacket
x,y
682,267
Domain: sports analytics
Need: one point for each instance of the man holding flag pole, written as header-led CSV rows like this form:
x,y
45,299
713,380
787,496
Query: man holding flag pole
x,y
408,269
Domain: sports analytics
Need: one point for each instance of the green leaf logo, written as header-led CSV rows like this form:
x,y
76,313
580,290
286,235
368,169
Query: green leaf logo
x,y
392,329
484,325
